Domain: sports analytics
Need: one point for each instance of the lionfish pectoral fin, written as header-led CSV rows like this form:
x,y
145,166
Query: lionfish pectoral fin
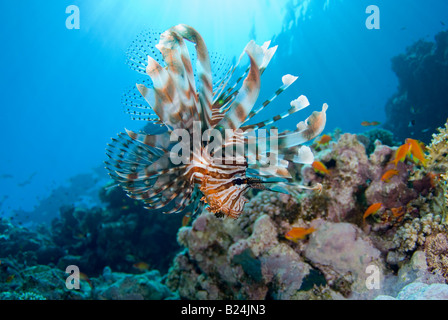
x,y
287,80
306,130
304,156
293,188
262,185
278,189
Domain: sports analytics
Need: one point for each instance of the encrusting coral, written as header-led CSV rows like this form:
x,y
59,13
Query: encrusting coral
x,y
436,249
432,209
438,150
354,181
252,257
438,164
368,138
414,233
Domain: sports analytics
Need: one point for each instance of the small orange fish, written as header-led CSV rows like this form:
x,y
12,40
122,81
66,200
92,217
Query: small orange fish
x,y
79,236
372,209
416,150
324,139
397,212
185,220
142,266
389,174
298,233
10,278
368,124
124,208
320,167
401,153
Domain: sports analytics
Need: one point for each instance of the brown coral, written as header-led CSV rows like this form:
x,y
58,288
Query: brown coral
x,y
436,249
437,165
438,151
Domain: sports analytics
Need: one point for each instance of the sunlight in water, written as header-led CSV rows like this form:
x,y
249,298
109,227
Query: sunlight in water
x,y
226,25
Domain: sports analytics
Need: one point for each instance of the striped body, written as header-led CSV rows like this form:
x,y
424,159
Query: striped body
x,y
222,186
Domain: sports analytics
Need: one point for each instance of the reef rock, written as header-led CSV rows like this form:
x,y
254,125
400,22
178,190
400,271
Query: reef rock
x,y
420,291
355,181
123,286
38,283
349,169
417,270
422,72
436,249
225,262
343,252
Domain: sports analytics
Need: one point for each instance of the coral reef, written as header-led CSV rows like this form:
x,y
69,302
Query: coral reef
x,y
343,252
436,249
413,234
369,138
33,262
28,280
249,258
438,151
417,270
118,236
429,218
437,159
39,282
21,296
349,172
422,73
355,181
122,286
233,263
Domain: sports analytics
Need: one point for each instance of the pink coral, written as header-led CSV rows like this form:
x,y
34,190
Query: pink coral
x,y
345,250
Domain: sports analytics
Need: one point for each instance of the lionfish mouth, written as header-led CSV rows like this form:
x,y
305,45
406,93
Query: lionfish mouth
x,y
192,99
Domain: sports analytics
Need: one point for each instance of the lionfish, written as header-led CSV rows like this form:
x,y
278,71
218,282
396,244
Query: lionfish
x,y
182,100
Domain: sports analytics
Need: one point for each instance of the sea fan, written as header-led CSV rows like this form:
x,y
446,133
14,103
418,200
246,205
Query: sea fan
x,y
219,156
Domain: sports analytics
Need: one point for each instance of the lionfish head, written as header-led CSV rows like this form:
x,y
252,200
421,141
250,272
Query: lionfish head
x,y
197,148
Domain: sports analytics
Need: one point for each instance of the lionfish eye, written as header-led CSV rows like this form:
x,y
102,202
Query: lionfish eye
x,y
219,215
239,181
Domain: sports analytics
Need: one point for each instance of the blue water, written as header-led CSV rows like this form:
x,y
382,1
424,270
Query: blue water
x,y
61,88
